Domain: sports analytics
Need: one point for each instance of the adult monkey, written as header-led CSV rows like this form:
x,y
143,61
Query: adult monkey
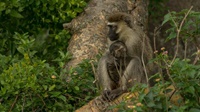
x,y
139,51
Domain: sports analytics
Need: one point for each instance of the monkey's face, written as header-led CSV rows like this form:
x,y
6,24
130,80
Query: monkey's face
x,y
118,49
112,32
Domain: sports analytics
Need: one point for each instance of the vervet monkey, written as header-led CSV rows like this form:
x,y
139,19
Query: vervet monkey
x,y
136,50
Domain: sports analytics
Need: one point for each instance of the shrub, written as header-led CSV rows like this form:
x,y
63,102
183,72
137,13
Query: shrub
x,y
30,84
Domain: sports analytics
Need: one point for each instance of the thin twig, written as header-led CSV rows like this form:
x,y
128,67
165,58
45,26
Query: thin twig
x,y
94,71
173,83
197,56
178,33
156,30
185,52
154,39
23,104
168,73
13,104
42,101
172,94
145,70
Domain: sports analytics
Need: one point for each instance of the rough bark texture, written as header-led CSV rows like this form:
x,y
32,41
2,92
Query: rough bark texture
x,y
89,28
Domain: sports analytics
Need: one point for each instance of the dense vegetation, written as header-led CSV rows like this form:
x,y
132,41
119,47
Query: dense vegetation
x,y
33,51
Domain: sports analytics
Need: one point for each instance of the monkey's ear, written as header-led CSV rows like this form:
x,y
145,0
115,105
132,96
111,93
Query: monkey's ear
x,y
128,21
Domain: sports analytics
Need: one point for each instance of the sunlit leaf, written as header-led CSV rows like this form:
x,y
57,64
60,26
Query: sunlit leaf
x,y
62,98
15,14
167,17
52,87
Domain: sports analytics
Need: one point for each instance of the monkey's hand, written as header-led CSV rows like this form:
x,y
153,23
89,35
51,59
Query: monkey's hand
x,y
107,95
110,95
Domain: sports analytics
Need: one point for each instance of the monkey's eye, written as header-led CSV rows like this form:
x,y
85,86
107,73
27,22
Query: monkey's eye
x,y
113,27
110,26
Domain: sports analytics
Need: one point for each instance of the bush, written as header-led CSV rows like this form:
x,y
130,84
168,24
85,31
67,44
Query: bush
x,y
33,52
42,19
30,84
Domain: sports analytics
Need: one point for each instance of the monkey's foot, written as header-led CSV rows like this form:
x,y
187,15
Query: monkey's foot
x,y
109,95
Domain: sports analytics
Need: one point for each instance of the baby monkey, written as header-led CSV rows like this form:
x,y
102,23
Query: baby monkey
x,y
118,61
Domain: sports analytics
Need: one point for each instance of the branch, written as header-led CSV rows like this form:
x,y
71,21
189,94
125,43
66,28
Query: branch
x,y
178,32
13,104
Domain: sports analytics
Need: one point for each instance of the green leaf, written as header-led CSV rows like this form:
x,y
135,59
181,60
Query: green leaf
x,y
55,94
171,36
151,104
15,14
76,88
21,50
150,95
62,98
45,87
191,90
2,6
192,73
167,17
78,10
52,87
194,110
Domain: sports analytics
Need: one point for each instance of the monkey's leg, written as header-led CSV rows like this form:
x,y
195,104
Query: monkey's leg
x,y
132,74
103,77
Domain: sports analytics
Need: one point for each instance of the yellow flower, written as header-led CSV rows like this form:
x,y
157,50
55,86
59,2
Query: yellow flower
x,y
158,79
131,106
163,48
155,52
139,104
53,76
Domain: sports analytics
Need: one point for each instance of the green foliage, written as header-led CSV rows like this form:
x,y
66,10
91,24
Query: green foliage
x,y
34,85
182,74
42,19
30,84
189,30
33,53
81,85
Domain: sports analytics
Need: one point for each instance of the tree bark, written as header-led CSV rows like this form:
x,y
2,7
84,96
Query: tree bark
x,y
89,28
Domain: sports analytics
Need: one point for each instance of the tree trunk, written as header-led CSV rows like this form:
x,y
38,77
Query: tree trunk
x,y
89,28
